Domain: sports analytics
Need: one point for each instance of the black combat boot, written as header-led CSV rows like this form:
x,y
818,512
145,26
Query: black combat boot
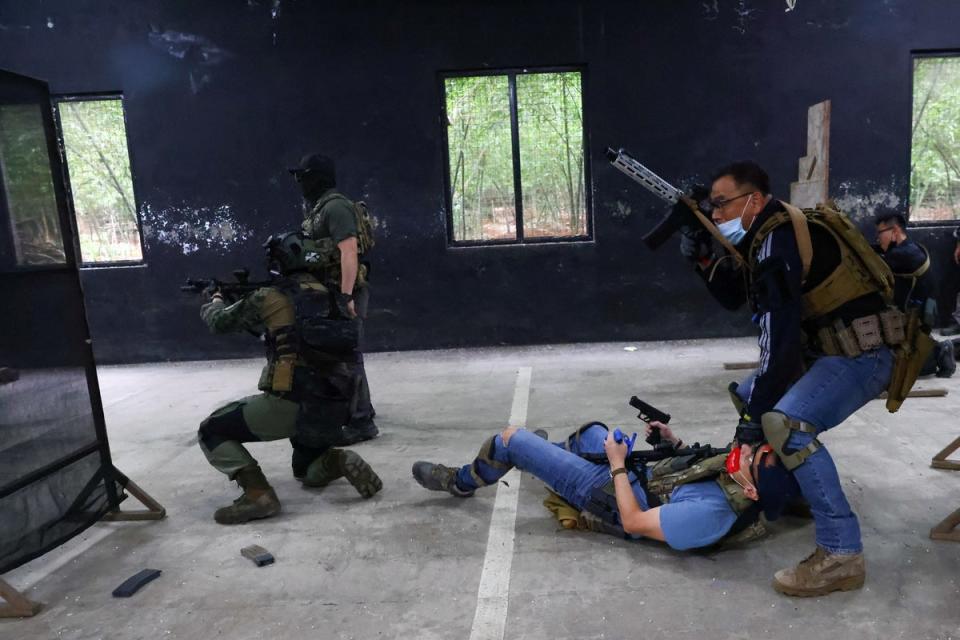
x,y
438,477
340,463
946,361
358,432
258,499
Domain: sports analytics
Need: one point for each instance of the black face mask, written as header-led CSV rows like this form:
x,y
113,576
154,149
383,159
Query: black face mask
x,y
315,183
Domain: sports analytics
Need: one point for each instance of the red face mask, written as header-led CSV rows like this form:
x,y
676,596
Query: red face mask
x,y
739,466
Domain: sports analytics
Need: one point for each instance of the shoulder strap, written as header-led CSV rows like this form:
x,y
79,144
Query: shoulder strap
x,y
802,230
923,268
328,198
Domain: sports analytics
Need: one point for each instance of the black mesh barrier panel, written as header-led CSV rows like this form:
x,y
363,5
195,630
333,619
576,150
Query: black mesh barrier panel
x,y
56,477
46,423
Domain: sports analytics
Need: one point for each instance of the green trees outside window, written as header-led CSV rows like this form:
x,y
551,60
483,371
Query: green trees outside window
x,y
28,186
935,156
98,163
516,156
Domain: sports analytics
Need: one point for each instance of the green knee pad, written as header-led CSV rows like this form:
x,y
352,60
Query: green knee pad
x,y
485,455
777,428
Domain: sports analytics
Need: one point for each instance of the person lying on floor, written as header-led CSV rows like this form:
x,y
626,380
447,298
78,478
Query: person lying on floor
x,y
719,498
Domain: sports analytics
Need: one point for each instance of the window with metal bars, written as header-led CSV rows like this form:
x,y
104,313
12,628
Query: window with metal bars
x,y
517,169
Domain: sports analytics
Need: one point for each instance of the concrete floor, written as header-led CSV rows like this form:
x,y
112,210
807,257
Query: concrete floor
x,y
408,563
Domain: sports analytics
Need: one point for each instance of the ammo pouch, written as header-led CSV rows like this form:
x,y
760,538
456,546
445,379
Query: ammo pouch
x,y
330,335
864,334
909,358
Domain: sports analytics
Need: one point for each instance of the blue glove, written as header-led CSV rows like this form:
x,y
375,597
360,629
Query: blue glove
x,y
620,437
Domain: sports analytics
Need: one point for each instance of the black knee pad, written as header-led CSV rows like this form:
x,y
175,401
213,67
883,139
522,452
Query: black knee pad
x,y
216,430
303,456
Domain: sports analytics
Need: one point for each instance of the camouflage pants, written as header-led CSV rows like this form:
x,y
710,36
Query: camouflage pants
x,y
258,418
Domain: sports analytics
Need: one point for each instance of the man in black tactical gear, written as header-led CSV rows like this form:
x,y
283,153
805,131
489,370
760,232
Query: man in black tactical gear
x,y
334,223
306,385
914,284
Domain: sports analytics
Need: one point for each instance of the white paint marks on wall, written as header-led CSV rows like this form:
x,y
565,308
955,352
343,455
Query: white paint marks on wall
x,y
860,201
197,52
620,210
744,15
193,228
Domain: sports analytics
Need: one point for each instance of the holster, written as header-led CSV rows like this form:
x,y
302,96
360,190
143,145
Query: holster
x,y
909,357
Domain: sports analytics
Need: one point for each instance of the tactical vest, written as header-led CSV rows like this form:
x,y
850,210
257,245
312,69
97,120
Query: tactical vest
x,y
311,359
328,265
670,473
306,332
860,272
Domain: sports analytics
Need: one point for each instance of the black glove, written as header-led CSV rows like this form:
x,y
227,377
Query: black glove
x,y
701,195
749,433
207,294
696,243
342,300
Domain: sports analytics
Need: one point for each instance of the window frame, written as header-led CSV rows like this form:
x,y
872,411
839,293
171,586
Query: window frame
x,y
914,56
512,73
55,101
8,256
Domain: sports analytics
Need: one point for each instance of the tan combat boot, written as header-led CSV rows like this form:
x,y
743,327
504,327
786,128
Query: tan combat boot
x,y
258,499
340,463
820,573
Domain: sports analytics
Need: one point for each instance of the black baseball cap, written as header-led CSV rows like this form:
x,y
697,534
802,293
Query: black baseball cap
x,y
315,162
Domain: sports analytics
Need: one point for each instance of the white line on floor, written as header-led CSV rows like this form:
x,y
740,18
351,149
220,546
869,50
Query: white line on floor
x,y
27,577
493,596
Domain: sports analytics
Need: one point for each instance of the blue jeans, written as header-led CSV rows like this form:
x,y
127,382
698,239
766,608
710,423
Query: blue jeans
x,y
569,475
826,395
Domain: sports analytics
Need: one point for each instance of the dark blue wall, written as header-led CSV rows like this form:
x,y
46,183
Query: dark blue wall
x,y
222,95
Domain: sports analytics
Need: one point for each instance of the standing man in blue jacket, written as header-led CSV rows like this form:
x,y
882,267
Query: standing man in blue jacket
x,y
818,314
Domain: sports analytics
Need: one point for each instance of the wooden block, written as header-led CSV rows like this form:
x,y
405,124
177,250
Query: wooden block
x,y
946,529
940,461
736,366
807,194
18,605
919,393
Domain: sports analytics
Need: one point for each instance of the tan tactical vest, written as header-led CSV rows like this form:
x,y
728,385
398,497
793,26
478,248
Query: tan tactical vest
x,y
860,272
279,318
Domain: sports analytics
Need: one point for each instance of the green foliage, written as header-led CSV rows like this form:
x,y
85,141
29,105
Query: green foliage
x,y
935,158
550,110
550,122
28,185
95,140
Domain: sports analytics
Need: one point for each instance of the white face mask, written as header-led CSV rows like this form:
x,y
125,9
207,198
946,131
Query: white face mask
x,y
733,230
